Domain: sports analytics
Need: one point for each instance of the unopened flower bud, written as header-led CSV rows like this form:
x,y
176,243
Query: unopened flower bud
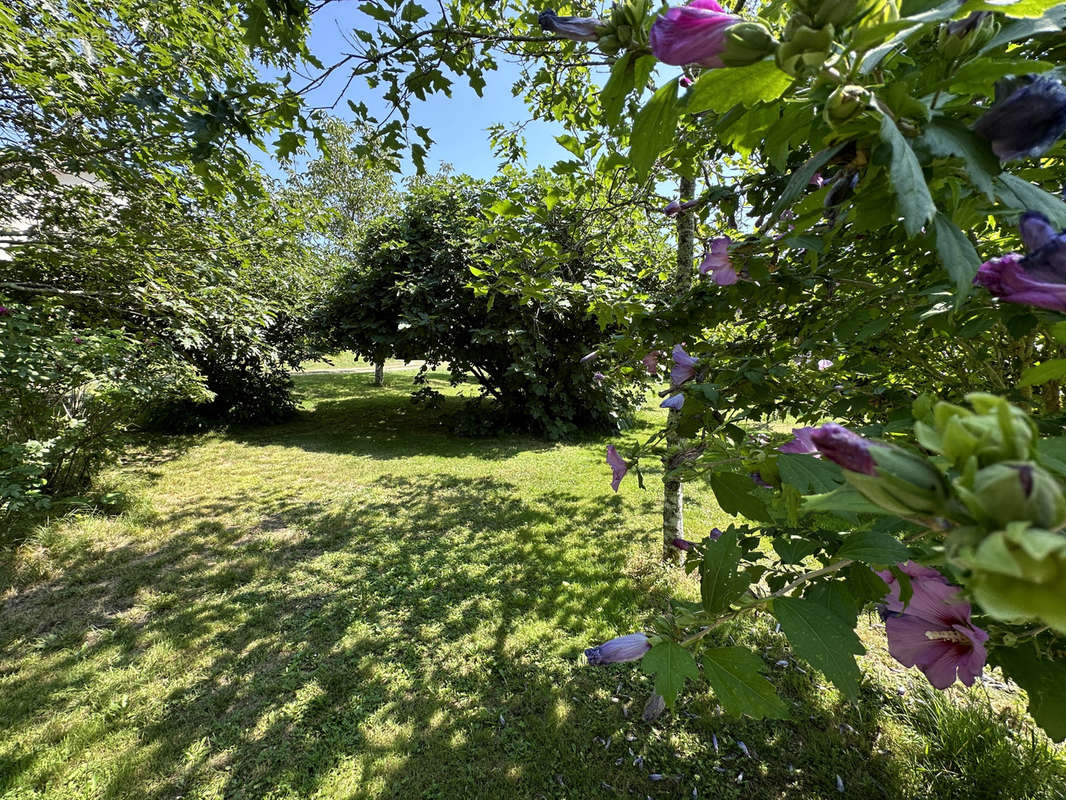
x,y
806,50
579,29
845,103
1020,490
1020,573
964,36
994,431
746,43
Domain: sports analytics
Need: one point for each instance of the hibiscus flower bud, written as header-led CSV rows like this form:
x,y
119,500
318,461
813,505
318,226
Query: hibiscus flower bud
x,y
1020,490
747,43
682,544
890,477
621,648
579,29
964,36
845,104
805,50
692,34
674,403
846,12
1020,573
1027,122
994,431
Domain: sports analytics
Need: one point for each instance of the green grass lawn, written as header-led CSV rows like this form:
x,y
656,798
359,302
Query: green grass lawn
x,y
347,360
358,605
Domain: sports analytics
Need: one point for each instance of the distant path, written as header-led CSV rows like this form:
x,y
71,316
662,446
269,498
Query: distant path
x,y
357,370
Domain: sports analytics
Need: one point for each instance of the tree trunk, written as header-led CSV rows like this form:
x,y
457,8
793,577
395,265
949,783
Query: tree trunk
x,y
673,498
379,373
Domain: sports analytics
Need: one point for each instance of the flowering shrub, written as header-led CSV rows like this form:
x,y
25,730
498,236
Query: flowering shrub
x,y
882,149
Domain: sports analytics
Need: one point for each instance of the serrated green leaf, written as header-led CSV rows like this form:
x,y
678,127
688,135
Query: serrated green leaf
x,y
1044,682
846,499
1012,8
822,639
957,254
671,664
618,86
1019,194
912,194
809,474
1052,453
1050,370
721,89
873,547
720,581
653,129
735,494
733,673
948,137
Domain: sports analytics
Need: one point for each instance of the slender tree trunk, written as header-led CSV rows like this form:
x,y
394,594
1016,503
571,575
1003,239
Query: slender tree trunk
x,y
673,494
379,373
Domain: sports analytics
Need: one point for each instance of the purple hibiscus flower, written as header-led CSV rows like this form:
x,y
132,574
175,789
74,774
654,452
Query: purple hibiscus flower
x,y
801,444
684,366
674,403
1037,279
618,466
622,648
1027,122
844,447
934,631
651,362
580,29
716,262
692,34
824,364
599,377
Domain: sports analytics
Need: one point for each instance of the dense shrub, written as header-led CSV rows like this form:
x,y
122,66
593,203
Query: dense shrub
x,y
410,295
67,392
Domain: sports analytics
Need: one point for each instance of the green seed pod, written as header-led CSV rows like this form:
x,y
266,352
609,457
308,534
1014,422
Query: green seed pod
x,y
1020,491
746,43
1020,573
609,44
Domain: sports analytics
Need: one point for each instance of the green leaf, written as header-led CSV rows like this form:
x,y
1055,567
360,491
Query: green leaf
x,y
1018,193
948,137
412,12
846,499
1012,8
1052,453
720,89
376,11
733,673
799,180
617,88
873,547
809,474
980,74
1051,22
957,254
505,208
735,494
671,664
1050,370
915,203
654,129
1044,682
720,581
822,639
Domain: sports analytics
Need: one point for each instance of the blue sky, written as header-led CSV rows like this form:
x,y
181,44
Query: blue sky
x,y
457,124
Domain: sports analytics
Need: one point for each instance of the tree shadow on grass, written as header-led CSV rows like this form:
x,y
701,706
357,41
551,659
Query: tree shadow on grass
x,y
343,648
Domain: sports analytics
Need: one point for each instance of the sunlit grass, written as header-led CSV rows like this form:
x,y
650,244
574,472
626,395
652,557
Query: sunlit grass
x,y
358,604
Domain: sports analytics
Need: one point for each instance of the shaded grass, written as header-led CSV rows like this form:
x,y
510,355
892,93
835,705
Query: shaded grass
x,y
357,604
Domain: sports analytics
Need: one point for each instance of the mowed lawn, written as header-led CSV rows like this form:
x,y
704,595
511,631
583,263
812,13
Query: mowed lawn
x,y
358,605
